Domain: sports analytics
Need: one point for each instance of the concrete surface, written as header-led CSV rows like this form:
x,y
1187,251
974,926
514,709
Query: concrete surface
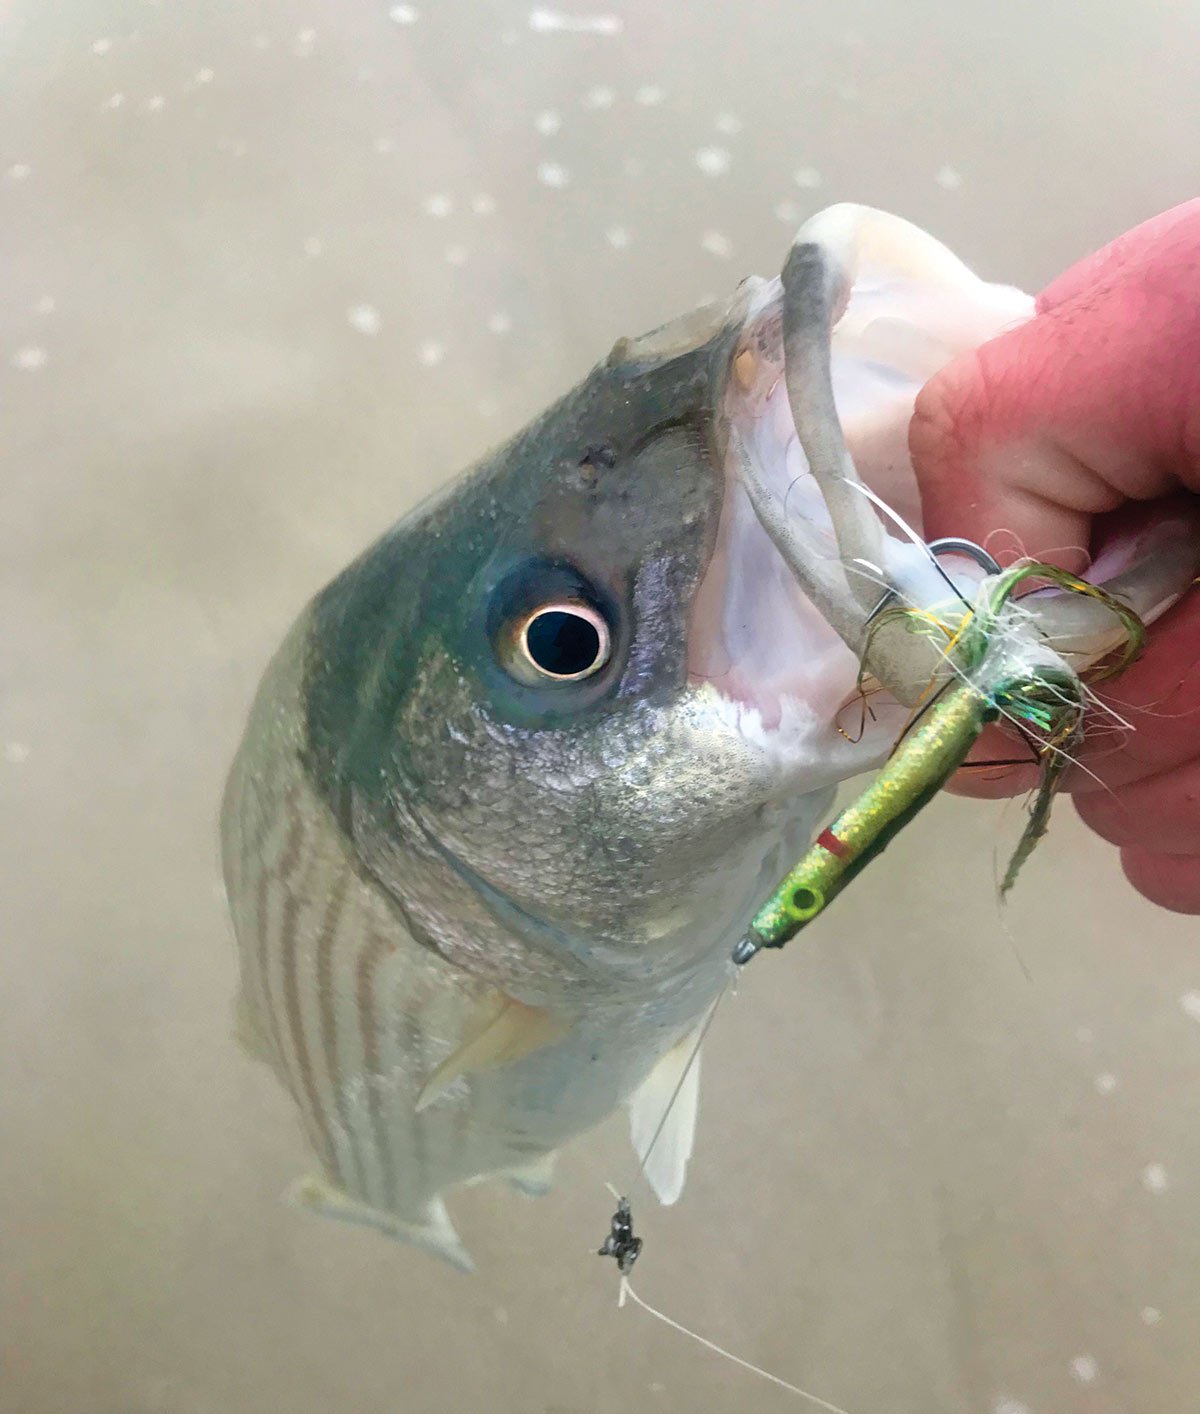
x,y
923,1184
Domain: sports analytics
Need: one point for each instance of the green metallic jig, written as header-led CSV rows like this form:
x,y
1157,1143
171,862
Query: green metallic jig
x,y
937,743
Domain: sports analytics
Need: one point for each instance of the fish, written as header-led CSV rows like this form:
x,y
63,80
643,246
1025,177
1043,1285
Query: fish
x,y
518,778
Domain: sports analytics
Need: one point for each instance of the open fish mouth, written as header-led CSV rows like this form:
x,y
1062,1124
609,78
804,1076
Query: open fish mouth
x,y
821,513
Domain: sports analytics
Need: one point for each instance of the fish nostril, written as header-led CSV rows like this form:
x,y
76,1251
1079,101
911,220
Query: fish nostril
x,y
599,455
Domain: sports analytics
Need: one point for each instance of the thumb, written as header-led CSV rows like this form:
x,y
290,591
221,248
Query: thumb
x,y
1019,443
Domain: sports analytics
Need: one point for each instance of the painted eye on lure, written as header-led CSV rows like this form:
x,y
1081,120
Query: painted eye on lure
x,y
806,903
565,640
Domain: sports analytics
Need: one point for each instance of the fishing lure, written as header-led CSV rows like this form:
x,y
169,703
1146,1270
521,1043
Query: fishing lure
x,y
990,683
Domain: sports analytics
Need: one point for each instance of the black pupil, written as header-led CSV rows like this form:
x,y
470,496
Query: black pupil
x,y
804,898
563,643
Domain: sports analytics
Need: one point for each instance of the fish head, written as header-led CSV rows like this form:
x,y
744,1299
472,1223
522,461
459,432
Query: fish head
x,y
575,711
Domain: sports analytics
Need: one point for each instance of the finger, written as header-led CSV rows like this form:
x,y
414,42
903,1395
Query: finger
x,y
1159,813
1169,880
1158,697
986,466
1087,405
1166,238
980,779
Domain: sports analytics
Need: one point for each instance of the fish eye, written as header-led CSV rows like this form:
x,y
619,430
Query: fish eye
x,y
565,640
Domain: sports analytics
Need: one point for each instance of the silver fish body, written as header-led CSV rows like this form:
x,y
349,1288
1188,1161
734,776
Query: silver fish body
x,y
354,1014
420,848
482,900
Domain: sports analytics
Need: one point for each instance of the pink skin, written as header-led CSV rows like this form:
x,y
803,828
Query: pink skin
x,y
1050,432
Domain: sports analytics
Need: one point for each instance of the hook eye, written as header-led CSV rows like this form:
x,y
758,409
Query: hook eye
x,y
945,545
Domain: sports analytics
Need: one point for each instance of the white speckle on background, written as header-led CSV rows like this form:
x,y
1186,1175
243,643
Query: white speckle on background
x,y
16,753
1190,1002
617,237
788,212
1106,1083
599,97
633,166
1154,1178
1011,1406
499,323
649,95
553,174
262,41
365,318
30,359
305,40
456,255
384,146
949,178
716,244
847,92
547,123
430,354
551,22
1084,1368
313,245
483,204
439,204
1084,1035
487,407
657,1387
101,46
728,123
19,171
156,104
1151,1315
403,15
807,178
713,161
203,76
113,102
45,305
501,1315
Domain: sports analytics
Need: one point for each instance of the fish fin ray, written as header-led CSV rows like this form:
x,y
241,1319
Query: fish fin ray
x,y
535,1179
433,1231
666,1165
499,1031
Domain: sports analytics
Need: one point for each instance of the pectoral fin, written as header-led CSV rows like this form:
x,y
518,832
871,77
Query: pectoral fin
x,y
501,1030
666,1165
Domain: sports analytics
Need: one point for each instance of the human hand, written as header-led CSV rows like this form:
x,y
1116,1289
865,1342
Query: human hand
x,y
1037,444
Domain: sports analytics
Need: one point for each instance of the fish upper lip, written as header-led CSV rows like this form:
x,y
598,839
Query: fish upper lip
x,y
754,635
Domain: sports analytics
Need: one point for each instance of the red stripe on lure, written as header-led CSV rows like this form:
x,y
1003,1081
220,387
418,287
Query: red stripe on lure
x,y
828,840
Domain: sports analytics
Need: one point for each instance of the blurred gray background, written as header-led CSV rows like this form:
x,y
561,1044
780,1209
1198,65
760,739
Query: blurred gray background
x,y
270,272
